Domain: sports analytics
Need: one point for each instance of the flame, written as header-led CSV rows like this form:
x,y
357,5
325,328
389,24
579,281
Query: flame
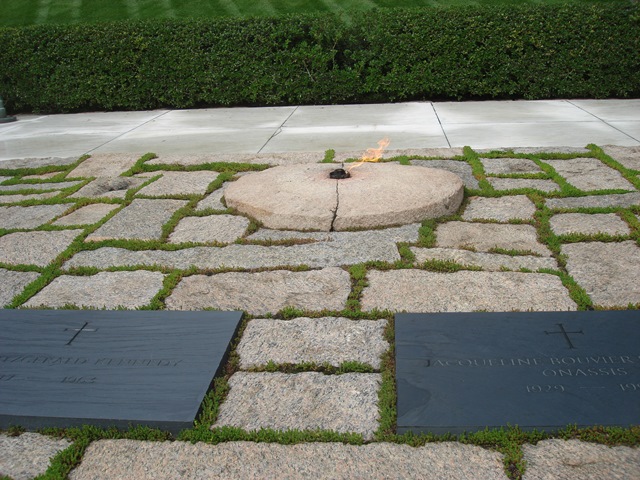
x,y
372,154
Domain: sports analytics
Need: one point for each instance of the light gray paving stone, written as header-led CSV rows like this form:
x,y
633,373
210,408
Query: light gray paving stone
x,y
460,168
263,292
38,162
406,233
126,459
607,271
302,401
557,459
589,174
321,340
284,158
212,228
102,290
104,165
408,152
494,166
595,201
213,200
30,217
28,455
486,236
41,176
534,150
588,224
39,186
629,157
35,248
487,261
12,283
179,183
501,209
109,187
87,215
2,179
422,291
142,220
517,183
30,196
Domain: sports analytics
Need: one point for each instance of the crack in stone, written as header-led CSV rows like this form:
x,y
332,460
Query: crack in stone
x,y
335,212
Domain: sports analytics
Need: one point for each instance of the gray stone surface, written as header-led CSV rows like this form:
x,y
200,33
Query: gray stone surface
x,y
102,290
408,152
142,220
485,236
487,261
321,340
494,166
629,157
28,455
87,215
38,162
2,179
104,165
109,187
594,201
12,283
558,459
38,186
212,228
35,248
422,291
263,292
41,176
589,174
501,209
303,401
29,196
126,459
213,200
179,183
607,271
588,224
460,168
517,183
406,233
284,158
30,217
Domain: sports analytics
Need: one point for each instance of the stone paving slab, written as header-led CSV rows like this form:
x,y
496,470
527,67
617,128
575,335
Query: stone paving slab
x,y
406,233
2,179
37,162
588,224
39,186
486,236
263,292
607,271
109,187
126,459
589,174
12,283
103,290
516,183
501,209
302,401
421,291
212,228
274,159
28,455
492,262
104,165
213,200
596,201
35,248
575,460
321,340
142,220
30,217
407,152
494,166
87,215
629,157
460,168
179,183
41,176
29,196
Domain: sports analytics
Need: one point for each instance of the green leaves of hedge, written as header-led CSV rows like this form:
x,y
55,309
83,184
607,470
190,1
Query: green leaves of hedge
x,y
531,52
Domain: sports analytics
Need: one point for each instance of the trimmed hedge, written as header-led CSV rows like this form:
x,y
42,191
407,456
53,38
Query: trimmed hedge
x,y
531,52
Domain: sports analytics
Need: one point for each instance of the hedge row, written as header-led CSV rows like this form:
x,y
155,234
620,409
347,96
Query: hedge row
x,y
531,52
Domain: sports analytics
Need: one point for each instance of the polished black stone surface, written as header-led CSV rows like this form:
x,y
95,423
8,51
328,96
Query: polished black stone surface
x,y
63,368
461,372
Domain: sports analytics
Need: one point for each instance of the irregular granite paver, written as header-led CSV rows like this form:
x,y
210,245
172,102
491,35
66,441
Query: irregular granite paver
x,y
39,186
487,261
104,165
29,196
321,340
609,272
464,291
213,200
596,201
460,168
302,401
28,455
588,224
109,187
501,209
30,217
35,248
126,459
102,290
263,292
212,228
557,459
285,158
517,183
179,183
494,166
87,215
406,233
38,162
589,174
12,283
41,176
142,220
628,157
486,236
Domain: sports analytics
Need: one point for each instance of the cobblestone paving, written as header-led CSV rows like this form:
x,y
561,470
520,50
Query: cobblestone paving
x,y
323,298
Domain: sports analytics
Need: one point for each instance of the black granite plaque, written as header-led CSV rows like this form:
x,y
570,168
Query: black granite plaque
x,y
63,368
461,372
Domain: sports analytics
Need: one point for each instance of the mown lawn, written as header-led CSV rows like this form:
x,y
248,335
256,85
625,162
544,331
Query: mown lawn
x,y
29,12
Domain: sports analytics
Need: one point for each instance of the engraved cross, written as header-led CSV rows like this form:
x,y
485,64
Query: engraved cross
x,y
565,334
79,330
